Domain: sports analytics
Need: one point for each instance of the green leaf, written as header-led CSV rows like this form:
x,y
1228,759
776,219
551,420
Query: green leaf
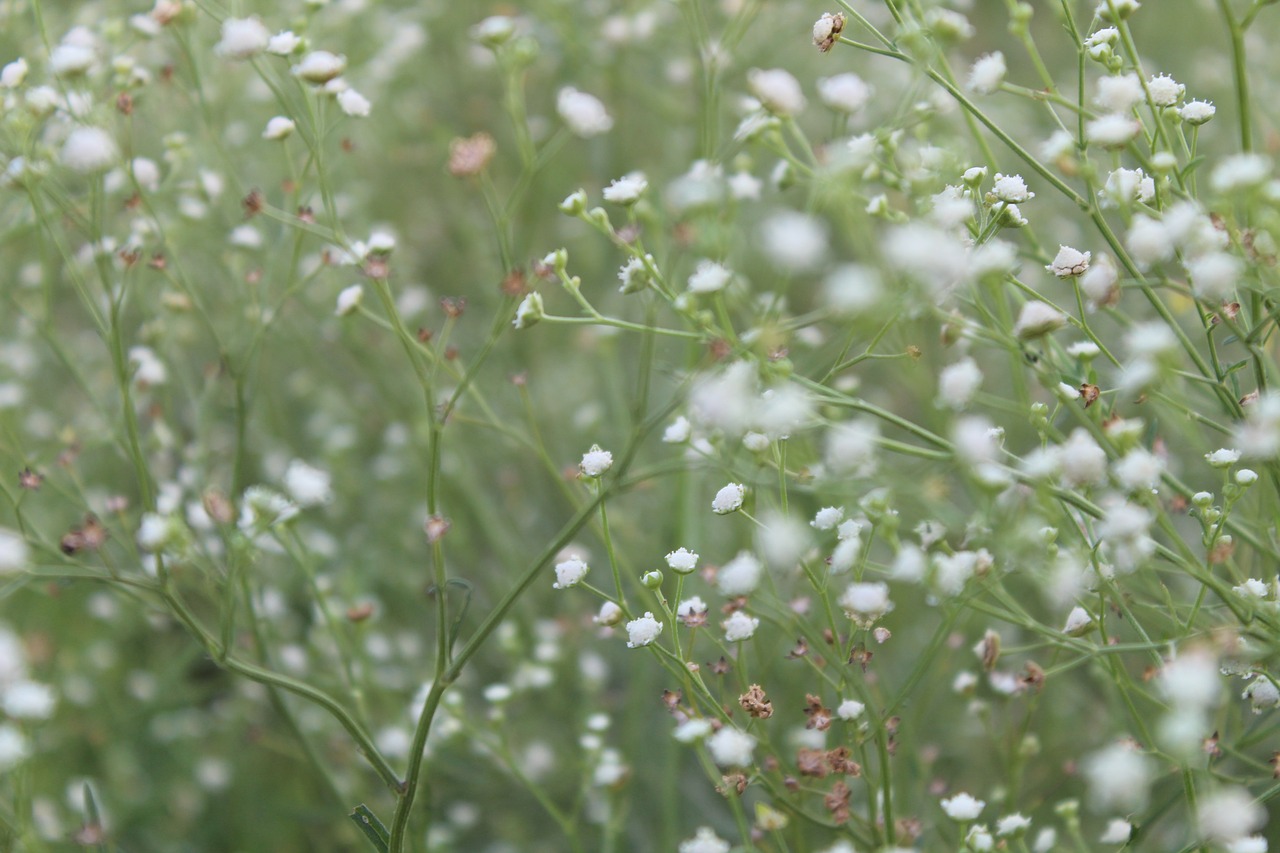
x,y
369,825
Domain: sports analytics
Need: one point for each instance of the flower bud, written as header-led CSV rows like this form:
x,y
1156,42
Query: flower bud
x,y
651,580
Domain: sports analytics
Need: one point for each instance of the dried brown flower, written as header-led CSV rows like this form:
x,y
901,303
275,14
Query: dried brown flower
x,y
755,703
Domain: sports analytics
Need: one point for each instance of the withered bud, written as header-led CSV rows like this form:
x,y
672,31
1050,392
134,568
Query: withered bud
x,y
819,715
1089,393
755,703
801,649
89,536
253,203
812,762
468,156
735,782
837,802
882,635
436,526
218,506
30,480
165,11
124,103
513,284
306,214
453,306
988,650
360,612
1032,676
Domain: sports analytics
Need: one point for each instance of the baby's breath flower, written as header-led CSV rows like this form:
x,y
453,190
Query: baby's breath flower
x,y
677,432
627,189
777,90
1111,131
1117,832
692,731
729,499
349,300
320,66
1037,319
963,807
569,573
1069,262
242,38
529,312
610,614
1011,189
584,113
1196,113
739,576
1014,824
353,103
1165,91
739,626
705,840
88,150
13,74
987,73
14,552
826,30
1119,93
731,747
494,31
1078,622
278,128
709,277
1222,457
865,603
643,631
682,561
595,462
1229,815
307,485
845,93
850,709
828,517
283,43
1239,172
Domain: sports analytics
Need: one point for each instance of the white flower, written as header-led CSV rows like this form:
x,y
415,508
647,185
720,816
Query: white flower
x,y
957,383
709,277
1078,621
1118,777
14,747
1012,824
852,448
14,552
1165,91
682,561
1138,469
864,603
307,485
1119,93
828,517
745,186
1229,815
569,573
1214,275
851,290
729,499
692,730
705,841
1117,832
730,747
320,66
794,242
850,709
1125,186
1191,680
88,150
529,311
610,614
987,73
28,700
1111,131
1196,113
494,30
1069,262
349,300
1240,171
1012,189
777,91
691,607
584,113
283,43
627,189
677,432
1249,844
13,74
963,807
739,576
739,626
595,461
1222,457
242,38
1037,319
68,59
643,631
353,103
1262,694
845,93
